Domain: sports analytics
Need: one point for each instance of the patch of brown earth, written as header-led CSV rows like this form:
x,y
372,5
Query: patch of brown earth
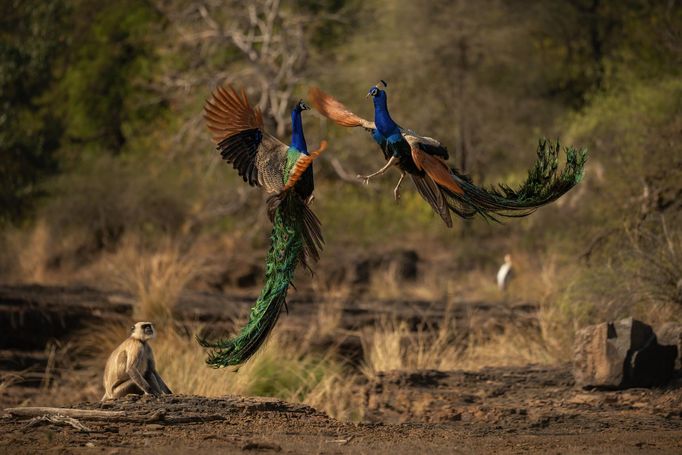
x,y
502,410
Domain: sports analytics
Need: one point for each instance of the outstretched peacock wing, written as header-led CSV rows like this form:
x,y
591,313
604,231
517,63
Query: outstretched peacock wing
x,y
334,110
237,129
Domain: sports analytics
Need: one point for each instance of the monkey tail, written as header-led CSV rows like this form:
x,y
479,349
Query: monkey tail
x,y
295,238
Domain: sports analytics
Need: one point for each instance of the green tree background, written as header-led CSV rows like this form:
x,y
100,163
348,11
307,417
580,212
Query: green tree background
x,y
101,135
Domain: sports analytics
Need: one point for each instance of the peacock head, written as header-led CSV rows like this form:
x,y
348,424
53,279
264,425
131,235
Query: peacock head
x,y
301,106
375,91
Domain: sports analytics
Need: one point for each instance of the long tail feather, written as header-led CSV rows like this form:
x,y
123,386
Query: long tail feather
x,y
542,186
295,238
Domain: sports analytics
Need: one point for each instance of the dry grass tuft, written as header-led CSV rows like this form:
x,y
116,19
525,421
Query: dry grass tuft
x,y
280,369
514,346
392,346
25,253
156,278
655,268
7,380
544,339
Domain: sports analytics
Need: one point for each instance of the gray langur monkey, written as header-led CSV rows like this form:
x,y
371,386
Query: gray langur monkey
x,y
131,368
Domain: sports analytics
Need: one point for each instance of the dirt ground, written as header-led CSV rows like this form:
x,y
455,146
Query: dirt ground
x,y
500,410
526,409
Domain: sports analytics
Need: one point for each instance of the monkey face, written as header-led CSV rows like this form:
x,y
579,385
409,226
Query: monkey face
x,y
143,331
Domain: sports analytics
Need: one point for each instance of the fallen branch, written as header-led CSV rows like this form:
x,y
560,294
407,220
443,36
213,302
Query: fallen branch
x,y
88,414
57,419
110,416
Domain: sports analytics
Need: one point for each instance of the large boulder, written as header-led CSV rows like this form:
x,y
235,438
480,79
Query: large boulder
x,y
621,354
670,334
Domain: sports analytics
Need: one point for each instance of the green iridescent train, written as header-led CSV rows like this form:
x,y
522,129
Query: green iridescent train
x,y
286,173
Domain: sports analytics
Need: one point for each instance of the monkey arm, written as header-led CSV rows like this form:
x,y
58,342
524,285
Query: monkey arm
x,y
155,377
153,381
162,385
138,379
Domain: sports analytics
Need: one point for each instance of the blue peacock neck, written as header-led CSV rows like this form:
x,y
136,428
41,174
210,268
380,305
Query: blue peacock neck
x,y
297,137
385,124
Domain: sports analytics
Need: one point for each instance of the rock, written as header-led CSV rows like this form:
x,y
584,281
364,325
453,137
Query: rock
x,y
621,354
670,334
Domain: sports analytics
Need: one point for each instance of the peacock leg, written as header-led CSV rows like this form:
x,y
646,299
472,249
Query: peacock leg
x,y
365,178
396,191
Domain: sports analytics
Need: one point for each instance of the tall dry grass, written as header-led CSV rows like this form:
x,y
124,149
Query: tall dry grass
x,y
25,253
7,380
545,338
156,276
392,346
281,369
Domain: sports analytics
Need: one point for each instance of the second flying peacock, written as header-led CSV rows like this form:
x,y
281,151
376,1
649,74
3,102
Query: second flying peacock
x,y
286,173
444,187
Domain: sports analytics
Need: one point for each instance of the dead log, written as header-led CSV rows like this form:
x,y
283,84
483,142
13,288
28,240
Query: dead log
x,y
159,415
86,414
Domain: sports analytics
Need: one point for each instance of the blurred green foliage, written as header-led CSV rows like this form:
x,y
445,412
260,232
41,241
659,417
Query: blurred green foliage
x,y
32,37
101,132
104,93
74,80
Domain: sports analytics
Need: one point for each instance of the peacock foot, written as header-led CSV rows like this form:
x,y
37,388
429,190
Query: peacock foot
x,y
364,178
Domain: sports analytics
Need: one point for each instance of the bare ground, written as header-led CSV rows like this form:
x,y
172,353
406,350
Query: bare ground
x,y
494,410
502,410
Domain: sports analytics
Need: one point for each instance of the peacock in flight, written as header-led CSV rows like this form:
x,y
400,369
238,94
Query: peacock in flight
x,y
444,187
286,173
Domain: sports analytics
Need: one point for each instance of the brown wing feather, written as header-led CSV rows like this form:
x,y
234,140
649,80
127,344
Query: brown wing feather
x,y
302,164
428,190
436,168
237,129
334,110
228,112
